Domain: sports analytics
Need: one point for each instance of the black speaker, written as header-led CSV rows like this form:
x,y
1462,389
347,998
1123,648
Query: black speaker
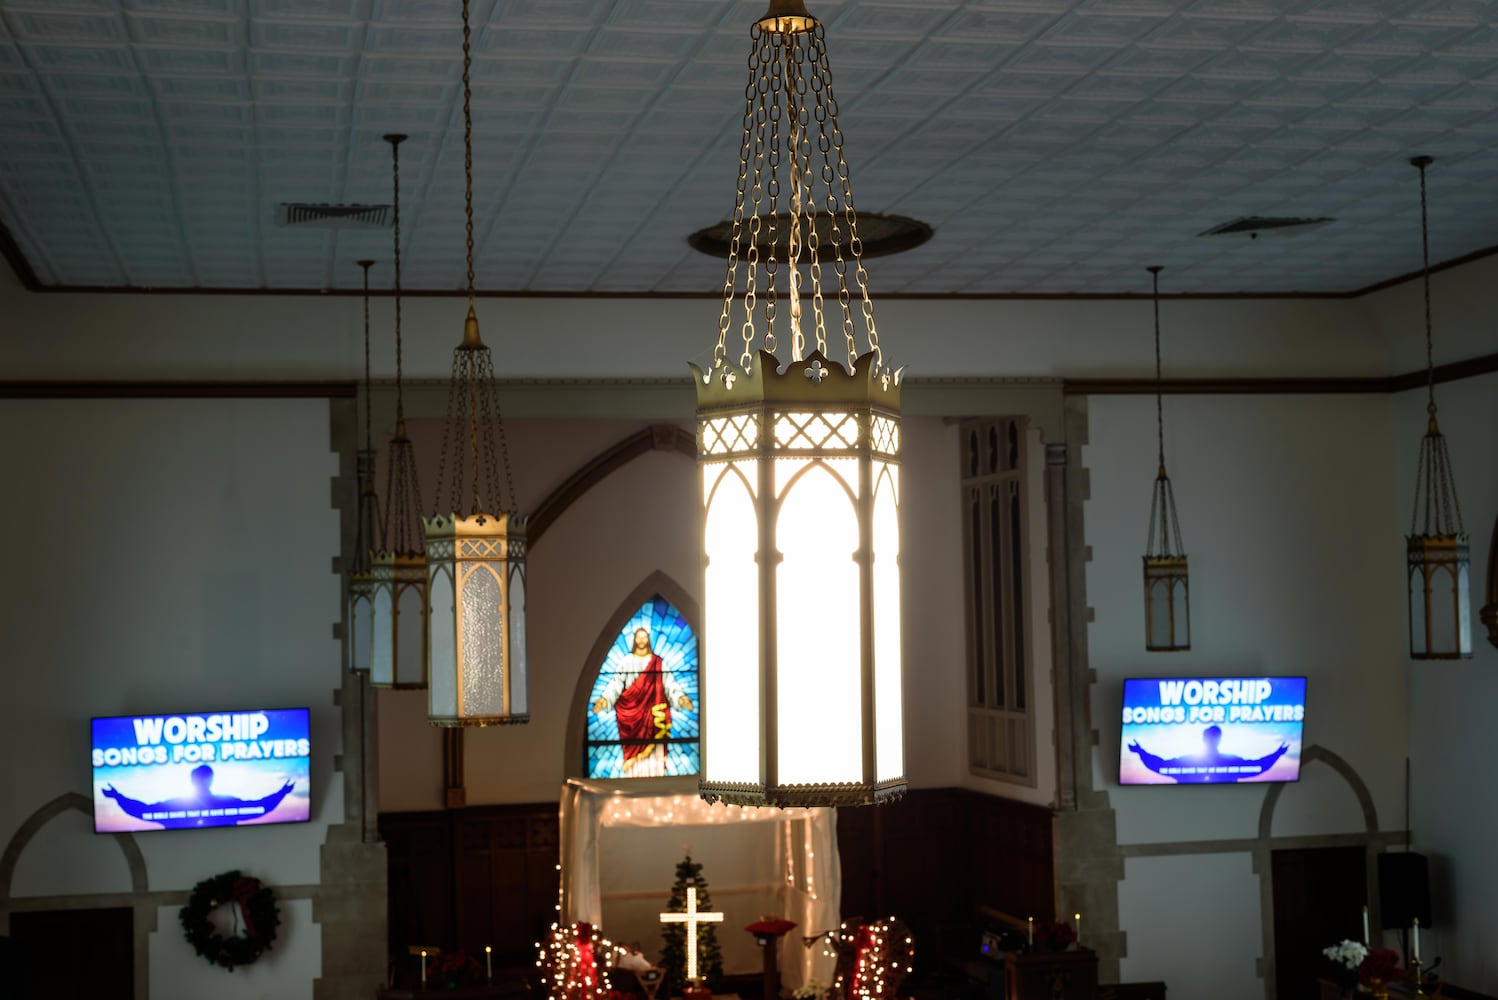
x,y
1404,889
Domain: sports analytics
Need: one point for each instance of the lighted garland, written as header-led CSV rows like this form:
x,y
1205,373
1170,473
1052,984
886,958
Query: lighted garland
x,y
872,959
575,963
255,908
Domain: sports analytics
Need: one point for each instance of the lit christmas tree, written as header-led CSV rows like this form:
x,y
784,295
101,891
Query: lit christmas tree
x,y
674,955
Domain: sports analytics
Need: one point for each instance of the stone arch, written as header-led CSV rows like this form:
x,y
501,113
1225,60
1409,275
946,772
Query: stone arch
x,y
135,861
1264,849
658,582
1313,754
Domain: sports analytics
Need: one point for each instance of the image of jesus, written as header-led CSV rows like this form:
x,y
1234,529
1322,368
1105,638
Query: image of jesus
x,y
641,694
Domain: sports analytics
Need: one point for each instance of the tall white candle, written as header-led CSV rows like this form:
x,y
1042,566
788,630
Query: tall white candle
x,y
423,968
1030,934
1417,939
488,962
1366,939
1078,918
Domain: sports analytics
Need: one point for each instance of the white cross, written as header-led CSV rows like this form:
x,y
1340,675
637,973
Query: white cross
x,y
691,918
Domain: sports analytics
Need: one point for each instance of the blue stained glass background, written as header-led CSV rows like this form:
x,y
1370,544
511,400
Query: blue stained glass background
x,y
675,643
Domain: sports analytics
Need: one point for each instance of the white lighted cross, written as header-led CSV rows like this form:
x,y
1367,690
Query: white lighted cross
x,y
691,918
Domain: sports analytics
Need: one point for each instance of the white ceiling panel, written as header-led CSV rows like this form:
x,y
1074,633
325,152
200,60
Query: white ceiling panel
x,y
1053,145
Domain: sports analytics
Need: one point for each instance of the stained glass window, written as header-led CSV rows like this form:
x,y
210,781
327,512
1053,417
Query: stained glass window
x,y
643,714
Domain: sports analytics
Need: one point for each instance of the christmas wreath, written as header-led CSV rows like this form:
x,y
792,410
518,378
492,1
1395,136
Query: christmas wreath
x,y
254,909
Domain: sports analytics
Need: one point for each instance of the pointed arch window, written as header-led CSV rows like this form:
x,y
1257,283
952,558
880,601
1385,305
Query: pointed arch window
x,y
644,715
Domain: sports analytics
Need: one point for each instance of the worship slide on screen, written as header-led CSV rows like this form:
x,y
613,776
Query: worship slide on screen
x,y
163,772
1211,730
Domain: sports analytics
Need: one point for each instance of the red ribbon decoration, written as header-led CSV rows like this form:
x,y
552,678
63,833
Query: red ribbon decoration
x,y
244,890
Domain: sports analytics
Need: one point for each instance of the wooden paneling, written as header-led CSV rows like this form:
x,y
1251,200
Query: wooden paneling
x,y
467,878
936,855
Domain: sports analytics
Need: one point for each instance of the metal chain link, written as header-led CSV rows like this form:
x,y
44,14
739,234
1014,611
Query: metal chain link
x,y
855,245
1430,369
468,147
720,352
761,117
368,385
1159,405
772,188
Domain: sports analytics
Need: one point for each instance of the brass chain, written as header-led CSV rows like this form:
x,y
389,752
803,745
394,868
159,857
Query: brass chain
x,y
772,187
805,223
761,117
855,245
720,352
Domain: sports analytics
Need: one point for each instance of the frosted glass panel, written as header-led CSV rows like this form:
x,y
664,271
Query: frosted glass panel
x,y
410,641
889,719
820,721
518,703
382,652
442,691
1443,616
482,637
1160,613
730,666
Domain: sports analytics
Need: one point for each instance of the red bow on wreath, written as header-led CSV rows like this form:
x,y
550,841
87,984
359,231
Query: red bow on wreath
x,y
244,890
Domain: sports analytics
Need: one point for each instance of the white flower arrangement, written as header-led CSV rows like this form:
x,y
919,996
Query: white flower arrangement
x,y
1349,954
813,990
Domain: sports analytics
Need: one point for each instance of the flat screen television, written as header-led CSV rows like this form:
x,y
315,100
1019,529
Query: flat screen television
x,y
163,772
1211,730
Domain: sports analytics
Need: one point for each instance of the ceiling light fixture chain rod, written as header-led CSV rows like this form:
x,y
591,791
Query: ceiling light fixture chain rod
x,y
468,146
1422,162
368,383
395,215
795,98
1159,383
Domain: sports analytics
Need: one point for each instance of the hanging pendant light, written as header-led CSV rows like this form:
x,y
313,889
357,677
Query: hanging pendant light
x,y
1436,549
1167,593
361,580
399,568
475,543
800,467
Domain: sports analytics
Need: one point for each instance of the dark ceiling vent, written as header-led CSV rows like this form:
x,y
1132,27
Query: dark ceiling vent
x,y
298,213
1254,226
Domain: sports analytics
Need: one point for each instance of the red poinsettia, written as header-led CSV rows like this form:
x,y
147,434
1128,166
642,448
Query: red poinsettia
x,y
1054,935
457,967
1381,966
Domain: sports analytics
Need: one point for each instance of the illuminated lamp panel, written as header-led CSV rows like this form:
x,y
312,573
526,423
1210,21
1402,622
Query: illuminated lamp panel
x,y
517,678
411,640
442,691
844,472
483,641
885,435
729,435
889,720
731,691
382,651
817,617
821,430
361,626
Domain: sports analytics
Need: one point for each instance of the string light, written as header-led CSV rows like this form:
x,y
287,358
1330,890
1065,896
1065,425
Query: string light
x,y
575,962
874,958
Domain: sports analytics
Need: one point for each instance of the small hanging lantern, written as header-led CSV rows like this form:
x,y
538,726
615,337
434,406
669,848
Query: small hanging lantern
x,y
475,543
399,568
1167,592
1436,550
800,467
361,580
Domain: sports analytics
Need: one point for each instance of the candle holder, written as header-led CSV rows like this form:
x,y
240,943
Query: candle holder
x,y
1419,980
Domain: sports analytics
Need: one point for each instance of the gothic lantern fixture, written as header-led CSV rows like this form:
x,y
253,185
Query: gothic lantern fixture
x,y
475,542
1436,551
361,580
1167,604
400,568
800,467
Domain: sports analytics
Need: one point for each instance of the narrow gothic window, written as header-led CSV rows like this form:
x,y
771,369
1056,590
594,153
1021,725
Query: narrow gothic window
x,y
1000,727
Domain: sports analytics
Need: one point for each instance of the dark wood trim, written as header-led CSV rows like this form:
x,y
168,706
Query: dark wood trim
x,y
1454,371
187,389
16,258
24,273
1445,265
1223,386
657,437
454,783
